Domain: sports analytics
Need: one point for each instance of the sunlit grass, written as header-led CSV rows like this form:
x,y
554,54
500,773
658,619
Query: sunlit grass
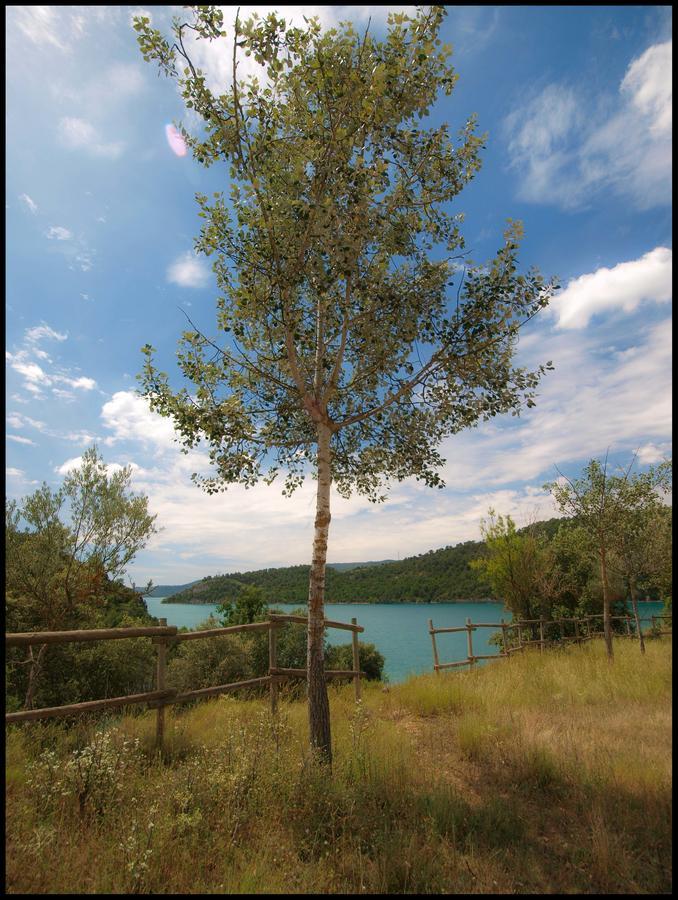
x,y
544,773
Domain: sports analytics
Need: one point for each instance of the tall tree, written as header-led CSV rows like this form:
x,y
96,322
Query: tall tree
x,y
643,533
61,546
342,348
611,509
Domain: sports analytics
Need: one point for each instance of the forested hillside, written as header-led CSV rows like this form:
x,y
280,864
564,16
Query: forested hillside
x,y
438,575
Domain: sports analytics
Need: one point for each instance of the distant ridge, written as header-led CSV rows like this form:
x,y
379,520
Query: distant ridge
x,y
439,576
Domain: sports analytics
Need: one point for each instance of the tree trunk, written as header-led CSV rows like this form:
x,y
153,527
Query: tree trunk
x,y
36,668
607,623
318,703
634,603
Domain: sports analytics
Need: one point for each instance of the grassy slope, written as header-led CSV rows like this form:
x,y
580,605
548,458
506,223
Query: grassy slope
x,y
538,774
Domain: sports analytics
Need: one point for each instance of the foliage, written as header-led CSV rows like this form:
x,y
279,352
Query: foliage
x,y
210,661
514,565
75,539
248,606
328,259
64,553
340,656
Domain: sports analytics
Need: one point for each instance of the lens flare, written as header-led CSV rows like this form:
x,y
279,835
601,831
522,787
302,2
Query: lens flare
x,y
175,140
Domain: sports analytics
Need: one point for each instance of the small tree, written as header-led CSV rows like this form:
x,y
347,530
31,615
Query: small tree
x,y
73,540
249,605
344,350
515,565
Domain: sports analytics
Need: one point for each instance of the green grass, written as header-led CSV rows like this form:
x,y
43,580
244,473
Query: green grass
x,y
545,773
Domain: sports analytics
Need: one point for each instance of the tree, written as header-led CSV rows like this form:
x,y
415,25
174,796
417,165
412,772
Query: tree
x,y
248,606
515,565
74,540
643,533
610,509
342,349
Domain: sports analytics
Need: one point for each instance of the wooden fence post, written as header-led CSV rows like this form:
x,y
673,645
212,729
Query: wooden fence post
x,y
356,661
272,664
520,636
628,625
576,631
436,661
504,639
160,686
541,634
469,638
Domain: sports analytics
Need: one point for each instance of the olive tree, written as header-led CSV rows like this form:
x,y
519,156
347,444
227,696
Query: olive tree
x,y
62,545
354,334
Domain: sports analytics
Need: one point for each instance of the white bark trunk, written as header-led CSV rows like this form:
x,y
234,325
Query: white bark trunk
x,y
318,703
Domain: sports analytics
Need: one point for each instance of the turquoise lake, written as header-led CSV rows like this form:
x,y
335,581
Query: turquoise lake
x,y
398,630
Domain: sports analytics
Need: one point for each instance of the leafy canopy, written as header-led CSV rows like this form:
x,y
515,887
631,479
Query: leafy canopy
x,y
335,246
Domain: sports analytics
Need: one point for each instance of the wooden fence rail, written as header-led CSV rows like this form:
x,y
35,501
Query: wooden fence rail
x,y
164,636
543,641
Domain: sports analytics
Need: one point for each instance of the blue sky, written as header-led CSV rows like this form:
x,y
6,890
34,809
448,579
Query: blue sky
x,y
101,220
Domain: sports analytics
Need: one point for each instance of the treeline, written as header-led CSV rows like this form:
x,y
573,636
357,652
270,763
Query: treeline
x,y
435,576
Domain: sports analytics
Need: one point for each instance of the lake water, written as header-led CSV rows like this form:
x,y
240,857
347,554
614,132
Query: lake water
x,y
398,630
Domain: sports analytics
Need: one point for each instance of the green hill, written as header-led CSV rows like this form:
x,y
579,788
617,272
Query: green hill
x,y
439,575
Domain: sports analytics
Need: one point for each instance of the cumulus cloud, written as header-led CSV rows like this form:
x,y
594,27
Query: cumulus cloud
x,y
128,416
624,286
188,271
565,152
19,439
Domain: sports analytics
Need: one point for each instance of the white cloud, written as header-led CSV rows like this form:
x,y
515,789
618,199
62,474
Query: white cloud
x,y
565,152
624,286
129,417
39,24
77,134
17,438
42,331
31,204
648,84
188,271
650,454
11,472
58,233
69,465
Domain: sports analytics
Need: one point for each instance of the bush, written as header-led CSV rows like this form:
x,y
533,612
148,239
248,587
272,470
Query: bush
x,y
371,660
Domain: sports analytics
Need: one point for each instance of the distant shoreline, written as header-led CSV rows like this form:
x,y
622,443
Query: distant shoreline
x,y
348,602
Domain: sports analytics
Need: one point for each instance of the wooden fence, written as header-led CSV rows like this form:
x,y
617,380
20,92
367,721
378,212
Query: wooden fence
x,y
163,636
583,629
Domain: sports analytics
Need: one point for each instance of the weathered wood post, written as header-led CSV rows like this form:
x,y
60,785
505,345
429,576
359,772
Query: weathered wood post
x,y
504,638
356,661
469,639
273,664
436,661
160,685
576,631
520,636
628,624
653,623
541,634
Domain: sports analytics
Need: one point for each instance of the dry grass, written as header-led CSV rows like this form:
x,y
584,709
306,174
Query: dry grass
x,y
543,774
